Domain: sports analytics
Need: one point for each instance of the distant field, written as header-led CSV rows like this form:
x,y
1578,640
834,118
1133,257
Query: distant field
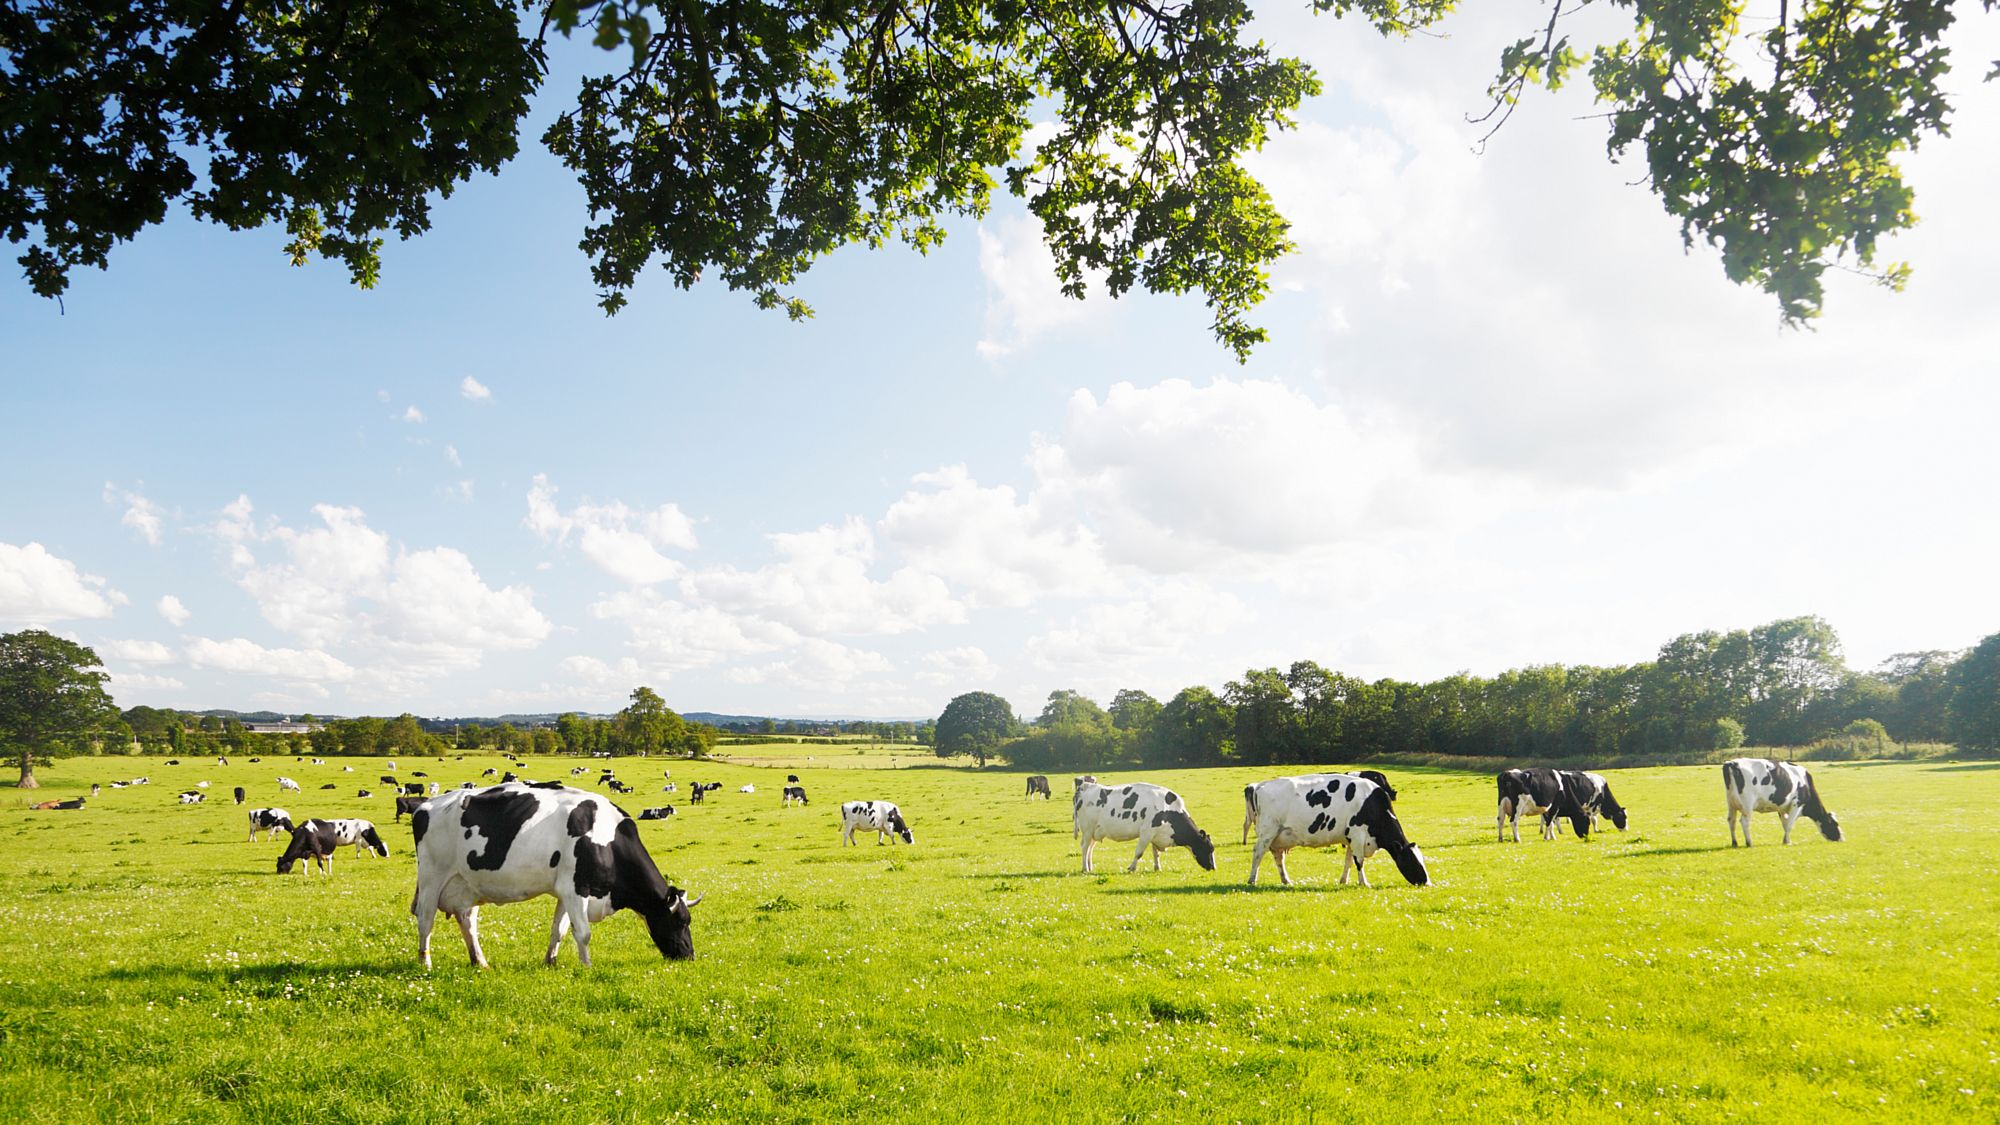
x,y
848,753
155,968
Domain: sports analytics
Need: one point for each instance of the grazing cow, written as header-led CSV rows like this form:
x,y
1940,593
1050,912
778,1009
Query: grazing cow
x,y
703,787
1334,808
1754,785
221,761
254,761
747,789
1250,798
1538,792
793,793
884,818
329,785
269,821
1151,814
239,794
360,833
414,789
490,772
389,766
507,777
408,805
192,797
1594,794
578,771
319,761
1039,784
509,843
387,779
94,791
792,778
661,813
288,783
312,842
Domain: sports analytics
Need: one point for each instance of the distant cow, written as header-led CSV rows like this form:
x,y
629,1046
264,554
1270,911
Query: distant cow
x,y
1593,792
239,794
1250,799
72,803
881,817
319,761
661,813
667,788
408,805
414,789
490,772
618,786
509,843
94,791
701,789
1322,810
329,785
1039,784
1538,792
793,793
387,779
201,785
365,793
433,789
389,765
1754,785
269,821
221,761
173,761
792,778
193,797
1153,815
747,789
288,783
313,842
418,773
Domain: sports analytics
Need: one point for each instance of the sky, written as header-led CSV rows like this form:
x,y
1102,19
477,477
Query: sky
x,y
1504,419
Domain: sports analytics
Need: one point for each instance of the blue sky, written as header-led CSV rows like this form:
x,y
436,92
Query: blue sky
x,y
1503,420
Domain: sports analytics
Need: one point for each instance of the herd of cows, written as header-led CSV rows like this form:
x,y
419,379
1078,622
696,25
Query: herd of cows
x,y
484,844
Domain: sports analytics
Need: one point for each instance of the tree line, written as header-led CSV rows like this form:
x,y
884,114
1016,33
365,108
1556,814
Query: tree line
x,y
1782,684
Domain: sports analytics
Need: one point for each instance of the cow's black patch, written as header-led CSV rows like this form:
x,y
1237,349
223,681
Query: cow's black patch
x,y
1781,785
499,814
555,859
546,785
1131,798
1320,821
1186,835
1172,799
1320,797
582,817
1103,796
419,822
1350,790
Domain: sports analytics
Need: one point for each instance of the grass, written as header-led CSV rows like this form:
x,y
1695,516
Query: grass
x,y
155,968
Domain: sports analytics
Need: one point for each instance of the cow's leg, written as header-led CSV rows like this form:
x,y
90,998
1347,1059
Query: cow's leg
x,y
1360,871
1284,876
847,836
1257,856
1746,828
1514,821
579,924
1089,845
1500,823
468,926
557,929
1732,826
1138,855
1791,818
1346,861
425,908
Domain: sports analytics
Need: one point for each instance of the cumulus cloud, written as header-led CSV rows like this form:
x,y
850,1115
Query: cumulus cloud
x,y
821,584
815,665
37,588
244,657
451,455
966,664
1171,616
1024,299
136,652
674,635
170,607
412,414
123,683
474,390
141,514
995,548
624,542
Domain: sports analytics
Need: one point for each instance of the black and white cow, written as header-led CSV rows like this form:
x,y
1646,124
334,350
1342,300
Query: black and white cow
x,y
489,772
360,833
1037,783
1754,785
418,773
408,805
193,797
413,789
880,817
702,789
269,821
746,789
387,779
239,794
510,843
1538,792
1250,802
1326,809
661,813
1593,792
288,783
313,842
794,793
1139,810
617,786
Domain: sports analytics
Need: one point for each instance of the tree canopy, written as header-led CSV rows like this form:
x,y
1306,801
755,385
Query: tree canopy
x,y
746,139
51,696
974,723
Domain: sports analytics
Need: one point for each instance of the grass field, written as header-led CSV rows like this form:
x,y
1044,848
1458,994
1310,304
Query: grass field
x,y
155,968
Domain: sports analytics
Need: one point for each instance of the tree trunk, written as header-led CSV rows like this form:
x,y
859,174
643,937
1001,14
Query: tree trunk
x,y
28,772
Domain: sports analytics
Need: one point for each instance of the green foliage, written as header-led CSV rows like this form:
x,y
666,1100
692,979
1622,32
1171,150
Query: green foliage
x,y
647,725
52,697
1862,738
1728,734
1975,697
974,723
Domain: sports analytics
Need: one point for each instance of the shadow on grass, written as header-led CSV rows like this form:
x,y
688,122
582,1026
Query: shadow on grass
x,y
1066,874
1234,887
155,974
1966,767
1691,849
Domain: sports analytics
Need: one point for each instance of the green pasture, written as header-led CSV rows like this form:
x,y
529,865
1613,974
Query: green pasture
x,y
155,968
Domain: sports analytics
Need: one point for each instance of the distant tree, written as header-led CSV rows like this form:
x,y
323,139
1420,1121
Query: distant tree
x,y
647,725
405,735
1798,664
545,740
51,696
1267,724
1133,711
1975,697
699,740
974,723
1194,728
1921,709
1727,734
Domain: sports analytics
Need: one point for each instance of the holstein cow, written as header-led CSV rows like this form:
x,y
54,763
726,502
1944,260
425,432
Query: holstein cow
x,y
288,783
661,813
794,793
1538,792
1139,810
360,833
193,797
239,794
881,817
1039,784
747,789
488,846
1594,794
1327,809
269,821
1250,802
312,842
1754,785
408,805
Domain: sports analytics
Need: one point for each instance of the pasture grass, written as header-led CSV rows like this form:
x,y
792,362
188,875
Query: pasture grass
x,y
155,968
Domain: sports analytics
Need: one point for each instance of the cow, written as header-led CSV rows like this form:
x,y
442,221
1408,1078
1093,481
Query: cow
x,y
239,794
794,793
1139,810
618,786
254,761
1250,801
414,789
1754,785
347,769
1039,784
701,788
72,803
329,785
94,789
387,779
407,805
490,772
313,842
269,821
193,797
884,818
173,761
360,833
288,783
792,778
365,793
747,789
1593,792
390,766
1538,792
667,788
578,771
221,761
1321,810
418,773
661,813
489,846
433,789
201,785
467,785
321,762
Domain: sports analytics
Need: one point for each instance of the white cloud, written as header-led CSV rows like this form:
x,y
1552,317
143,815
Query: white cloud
x,y
123,683
1024,299
474,390
412,414
1169,618
136,652
624,542
675,635
170,607
141,514
451,454
821,584
985,543
461,492
37,588
966,664
247,658
816,665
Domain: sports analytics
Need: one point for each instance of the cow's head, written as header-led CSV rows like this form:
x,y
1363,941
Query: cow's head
x,y
374,842
901,828
1614,810
1186,835
1410,861
671,923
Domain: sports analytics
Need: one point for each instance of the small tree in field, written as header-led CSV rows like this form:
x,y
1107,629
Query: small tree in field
x,y
1726,735
51,695
974,723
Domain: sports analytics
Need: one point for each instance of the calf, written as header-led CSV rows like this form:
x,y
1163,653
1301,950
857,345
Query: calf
x,y
407,805
1250,799
509,843
794,793
193,797
661,813
1754,785
1594,794
1151,814
884,818
1538,792
288,783
313,842
1325,809
239,794
1039,784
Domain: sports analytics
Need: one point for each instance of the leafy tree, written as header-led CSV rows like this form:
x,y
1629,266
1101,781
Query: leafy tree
x,y
974,723
1975,697
647,725
1798,665
1727,734
405,734
545,740
1133,711
746,141
51,695
1193,729
1266,722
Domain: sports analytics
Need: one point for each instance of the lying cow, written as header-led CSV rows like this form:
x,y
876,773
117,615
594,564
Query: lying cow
x,y
1250,803
1151,814
1039,783
1538,792
881,817
793,793
193,797
408,805
661,813
269,821
288,783
509,843
1326,809
747,789
1754,785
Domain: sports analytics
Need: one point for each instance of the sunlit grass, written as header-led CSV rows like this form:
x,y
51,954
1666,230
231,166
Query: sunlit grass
x,y
156,968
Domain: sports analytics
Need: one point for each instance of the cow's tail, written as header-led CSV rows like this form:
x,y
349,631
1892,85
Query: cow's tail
x,y
1816,811
1249,811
